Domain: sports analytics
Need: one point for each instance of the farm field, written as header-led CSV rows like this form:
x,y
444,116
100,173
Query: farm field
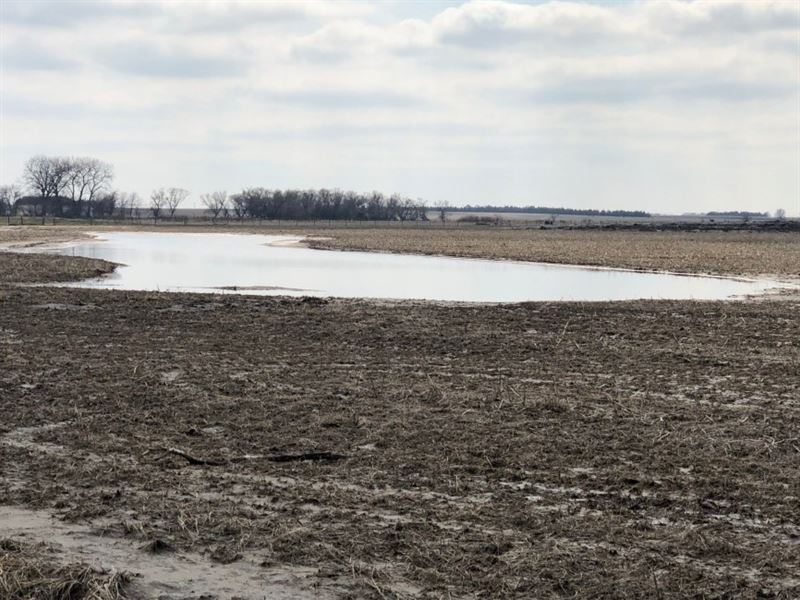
x,y
715,252
357,449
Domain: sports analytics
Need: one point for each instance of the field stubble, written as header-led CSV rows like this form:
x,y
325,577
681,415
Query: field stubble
x,y
623,449
712,252
637,449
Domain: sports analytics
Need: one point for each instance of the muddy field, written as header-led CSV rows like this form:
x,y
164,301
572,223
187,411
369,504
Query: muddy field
x,y
715,252
340,449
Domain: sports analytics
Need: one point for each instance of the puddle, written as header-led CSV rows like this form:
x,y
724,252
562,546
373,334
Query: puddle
x,y
270,265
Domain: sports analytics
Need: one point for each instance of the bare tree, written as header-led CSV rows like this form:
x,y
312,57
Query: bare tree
x,y
46,176
780,214
134,204
158,200
122,204
441,207
87,179
128,203
9,194
240,204
104,205
216,203
174,198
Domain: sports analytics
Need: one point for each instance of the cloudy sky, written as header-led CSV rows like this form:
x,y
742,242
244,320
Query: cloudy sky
x,y
668,106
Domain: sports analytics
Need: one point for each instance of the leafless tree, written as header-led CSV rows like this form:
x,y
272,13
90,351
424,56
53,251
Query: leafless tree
x,y
441,207
262,203
780,214
104,205
216,203
158,201
87,179
133,203
47,176
174,198
122,204
9,194
240,203
126,204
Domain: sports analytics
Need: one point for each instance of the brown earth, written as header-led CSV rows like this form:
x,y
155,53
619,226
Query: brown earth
x,y
44,268
714,252
408,449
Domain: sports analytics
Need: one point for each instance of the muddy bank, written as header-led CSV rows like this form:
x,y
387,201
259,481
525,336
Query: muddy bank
x,y
33,235
48,268
30,267
754,253
536,450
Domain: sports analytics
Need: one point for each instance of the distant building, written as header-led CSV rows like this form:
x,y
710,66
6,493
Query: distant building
x,y
39,206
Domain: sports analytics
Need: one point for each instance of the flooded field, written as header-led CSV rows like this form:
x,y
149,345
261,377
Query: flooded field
x,y
276,265
196,445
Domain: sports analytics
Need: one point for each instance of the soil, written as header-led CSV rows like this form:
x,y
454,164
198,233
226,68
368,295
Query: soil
x,y
30,267
406,449
712,252
148,574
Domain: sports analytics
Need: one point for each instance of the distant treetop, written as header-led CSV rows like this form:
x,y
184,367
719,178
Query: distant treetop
x,y
549,210
737,213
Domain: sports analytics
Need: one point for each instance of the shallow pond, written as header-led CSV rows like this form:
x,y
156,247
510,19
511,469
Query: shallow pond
x,y
271,265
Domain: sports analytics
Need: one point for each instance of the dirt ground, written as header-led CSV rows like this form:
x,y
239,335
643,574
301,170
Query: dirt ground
x,y
714,252
405,449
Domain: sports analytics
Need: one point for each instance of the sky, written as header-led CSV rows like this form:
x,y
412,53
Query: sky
x,y
667,106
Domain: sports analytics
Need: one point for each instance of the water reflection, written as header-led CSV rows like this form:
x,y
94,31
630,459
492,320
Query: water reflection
x,y
248,264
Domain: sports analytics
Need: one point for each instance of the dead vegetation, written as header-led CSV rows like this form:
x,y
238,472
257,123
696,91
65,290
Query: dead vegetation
x,y
413,450
49,268
638,449
43,268
32,235
33,572
715,252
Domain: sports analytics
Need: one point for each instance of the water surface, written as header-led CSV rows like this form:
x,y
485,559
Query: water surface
x,y
254,264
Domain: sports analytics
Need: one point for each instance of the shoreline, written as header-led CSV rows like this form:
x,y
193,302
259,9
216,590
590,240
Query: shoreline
x,y
785,285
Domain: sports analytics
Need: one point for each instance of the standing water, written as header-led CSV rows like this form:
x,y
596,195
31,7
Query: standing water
x,y
270,265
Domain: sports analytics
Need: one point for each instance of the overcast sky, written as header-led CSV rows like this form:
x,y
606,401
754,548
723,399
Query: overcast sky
x,y
665,106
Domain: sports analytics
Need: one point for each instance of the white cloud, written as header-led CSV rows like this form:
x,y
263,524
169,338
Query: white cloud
x,y
484,23
704,18
665,105
174,14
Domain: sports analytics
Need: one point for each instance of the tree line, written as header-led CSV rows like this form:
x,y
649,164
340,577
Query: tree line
x,y
81,187
61,185
549,210
744,214
323,204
